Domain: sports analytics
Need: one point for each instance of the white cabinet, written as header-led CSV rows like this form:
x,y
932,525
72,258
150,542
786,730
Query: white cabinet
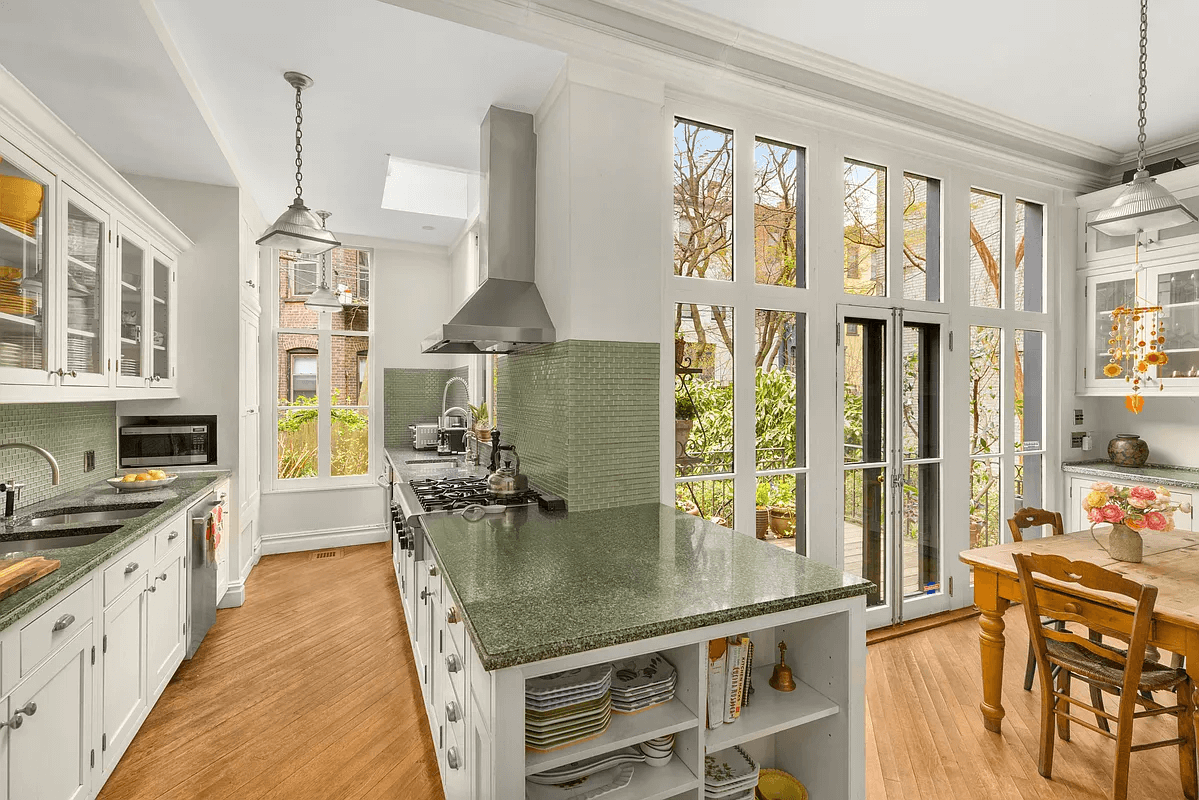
x,y
49,754
479,751
88,288
166,612
249,471
123,667
250,261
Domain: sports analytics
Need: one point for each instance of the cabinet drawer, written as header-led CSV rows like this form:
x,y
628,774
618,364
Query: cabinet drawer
x,y
455,628
54,627
455,669
170,536
127,569
455,737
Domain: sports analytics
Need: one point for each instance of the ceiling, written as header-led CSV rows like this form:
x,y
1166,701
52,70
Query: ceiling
x,y
140,117
389,82
1069,67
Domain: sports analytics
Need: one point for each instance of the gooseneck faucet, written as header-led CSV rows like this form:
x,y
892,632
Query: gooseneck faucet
x,y
11,489
445,394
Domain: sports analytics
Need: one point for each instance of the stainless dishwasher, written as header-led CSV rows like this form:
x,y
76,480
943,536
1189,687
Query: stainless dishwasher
x,y
202,571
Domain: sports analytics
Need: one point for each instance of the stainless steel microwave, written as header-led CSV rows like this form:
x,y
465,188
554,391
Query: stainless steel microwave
x,y
167,444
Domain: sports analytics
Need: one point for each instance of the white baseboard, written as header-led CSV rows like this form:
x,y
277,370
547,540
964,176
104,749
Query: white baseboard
x,y
235,596
274,543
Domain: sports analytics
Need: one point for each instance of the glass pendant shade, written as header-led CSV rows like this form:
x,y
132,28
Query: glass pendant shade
x,y
323,299
1143,206
298,229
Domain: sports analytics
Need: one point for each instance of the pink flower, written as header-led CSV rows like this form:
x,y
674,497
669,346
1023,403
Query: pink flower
x,y
1155,520
1094,515
1103,486
1139,502
1112,513
1143,493
1134,523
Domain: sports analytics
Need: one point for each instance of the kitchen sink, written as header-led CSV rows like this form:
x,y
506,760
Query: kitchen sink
x,y
419,461
75,537
99,515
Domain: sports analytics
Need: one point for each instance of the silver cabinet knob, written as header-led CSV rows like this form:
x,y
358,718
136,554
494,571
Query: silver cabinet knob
x,y
453,713
130,567
151,588
14,722
62,623
250,284
29,709
453,663
161,577
424,594
60,372
452,759
172,536
433,573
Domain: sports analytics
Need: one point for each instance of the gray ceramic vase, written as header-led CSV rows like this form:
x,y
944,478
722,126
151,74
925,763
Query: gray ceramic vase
x,y
1128,450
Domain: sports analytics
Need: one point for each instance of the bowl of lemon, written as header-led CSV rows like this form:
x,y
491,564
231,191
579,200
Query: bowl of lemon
x,y
141,481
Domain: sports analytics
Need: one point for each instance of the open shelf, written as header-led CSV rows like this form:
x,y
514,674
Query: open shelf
x,y
81,264
657,783
771,711
623,730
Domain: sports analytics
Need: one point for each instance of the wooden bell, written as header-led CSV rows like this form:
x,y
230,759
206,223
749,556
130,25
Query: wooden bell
x,y
782,679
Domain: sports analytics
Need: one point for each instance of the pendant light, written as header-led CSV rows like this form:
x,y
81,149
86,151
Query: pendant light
x,y
323,298
297,228
1143,205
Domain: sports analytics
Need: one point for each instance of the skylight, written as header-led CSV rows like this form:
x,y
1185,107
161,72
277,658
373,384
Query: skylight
x,y
431,189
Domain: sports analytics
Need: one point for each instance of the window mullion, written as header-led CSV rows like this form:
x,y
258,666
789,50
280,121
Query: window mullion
x,y
744,279
324,394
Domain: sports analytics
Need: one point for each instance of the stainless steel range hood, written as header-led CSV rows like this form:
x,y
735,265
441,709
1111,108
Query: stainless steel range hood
x,y
506,312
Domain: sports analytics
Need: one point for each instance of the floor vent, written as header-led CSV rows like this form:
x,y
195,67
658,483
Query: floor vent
x,y
321,554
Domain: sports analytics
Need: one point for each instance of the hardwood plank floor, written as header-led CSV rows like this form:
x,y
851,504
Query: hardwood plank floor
x,y
307,691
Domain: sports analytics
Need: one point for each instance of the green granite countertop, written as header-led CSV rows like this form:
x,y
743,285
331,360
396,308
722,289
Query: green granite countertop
x,y
1156,474
533,586
78,561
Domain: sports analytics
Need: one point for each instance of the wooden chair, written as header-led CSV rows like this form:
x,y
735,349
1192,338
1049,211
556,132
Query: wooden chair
x,y
1113,670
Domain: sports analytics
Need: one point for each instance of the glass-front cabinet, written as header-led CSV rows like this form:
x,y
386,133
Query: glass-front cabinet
x,y
162,368
86,290
27,308
1176,290
133,361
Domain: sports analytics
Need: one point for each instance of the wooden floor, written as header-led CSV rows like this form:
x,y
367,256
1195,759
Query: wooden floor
x,y
309,691
306,691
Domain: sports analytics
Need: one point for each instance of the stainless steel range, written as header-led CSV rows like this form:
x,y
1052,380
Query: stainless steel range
x,y
457,494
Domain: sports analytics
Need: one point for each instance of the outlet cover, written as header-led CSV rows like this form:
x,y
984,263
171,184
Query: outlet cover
x,y
89,460
1078,420
1076,440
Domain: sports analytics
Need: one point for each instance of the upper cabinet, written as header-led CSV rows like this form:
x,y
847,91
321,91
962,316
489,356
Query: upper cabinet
x,y
1165,272
87,271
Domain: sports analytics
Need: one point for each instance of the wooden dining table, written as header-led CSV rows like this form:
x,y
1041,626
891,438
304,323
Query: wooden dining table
x,y
1171,563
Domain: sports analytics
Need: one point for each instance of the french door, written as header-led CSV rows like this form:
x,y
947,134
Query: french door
x,y
891,364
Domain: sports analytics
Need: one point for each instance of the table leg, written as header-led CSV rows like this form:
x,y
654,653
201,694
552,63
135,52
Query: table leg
x,y
991,641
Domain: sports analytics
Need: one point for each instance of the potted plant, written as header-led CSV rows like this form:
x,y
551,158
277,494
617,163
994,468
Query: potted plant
x,y
482,421
684,419
762,518
782,506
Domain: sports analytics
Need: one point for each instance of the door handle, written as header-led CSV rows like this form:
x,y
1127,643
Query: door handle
x,y
452,663
452,759
453,712
172,536
130,567
62,623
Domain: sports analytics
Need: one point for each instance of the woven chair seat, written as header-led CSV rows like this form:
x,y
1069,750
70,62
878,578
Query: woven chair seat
x,y
1084,663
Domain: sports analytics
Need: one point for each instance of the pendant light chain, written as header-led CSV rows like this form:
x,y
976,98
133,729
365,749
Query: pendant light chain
x,y
1144,73
300,132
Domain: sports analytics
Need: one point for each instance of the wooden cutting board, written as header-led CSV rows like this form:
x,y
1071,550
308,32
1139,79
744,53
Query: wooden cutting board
x,y
16,574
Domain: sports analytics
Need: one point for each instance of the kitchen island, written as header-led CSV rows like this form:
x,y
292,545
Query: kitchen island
x,y
527,593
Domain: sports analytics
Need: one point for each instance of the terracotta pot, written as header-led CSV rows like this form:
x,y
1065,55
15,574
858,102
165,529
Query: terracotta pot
x,y
1128,450
976,531
762,519
483,432
1125,544
682,434
782,521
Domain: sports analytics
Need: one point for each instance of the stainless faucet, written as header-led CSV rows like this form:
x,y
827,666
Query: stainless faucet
x,y
445,393
11,489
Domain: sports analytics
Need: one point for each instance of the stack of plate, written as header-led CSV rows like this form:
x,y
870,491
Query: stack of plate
x,y
575,770
730,775
567,707
659,751
80,353
23,352
642,682
131,366
80,311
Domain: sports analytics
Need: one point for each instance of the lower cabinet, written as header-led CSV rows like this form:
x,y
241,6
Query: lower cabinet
x,y
123,666
1078,486
46,745
479,750
166,611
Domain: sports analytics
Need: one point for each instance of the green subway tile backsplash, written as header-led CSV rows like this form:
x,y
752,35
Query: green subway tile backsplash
x,y
414,395
584,418
67,430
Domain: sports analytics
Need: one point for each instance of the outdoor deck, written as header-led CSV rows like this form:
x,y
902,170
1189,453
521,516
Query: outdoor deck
x,y
853,556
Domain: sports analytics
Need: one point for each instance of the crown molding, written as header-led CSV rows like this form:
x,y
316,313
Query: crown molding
x,y
1187,140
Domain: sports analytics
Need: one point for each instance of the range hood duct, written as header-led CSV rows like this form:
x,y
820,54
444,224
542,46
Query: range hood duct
x,y
506,313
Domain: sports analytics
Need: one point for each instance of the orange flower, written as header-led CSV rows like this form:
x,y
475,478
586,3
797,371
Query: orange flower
x,y
1142,366
1153,357
1112,370
1134,403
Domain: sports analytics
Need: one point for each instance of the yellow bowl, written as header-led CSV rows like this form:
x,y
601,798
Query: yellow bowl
x,y
774,784
20,202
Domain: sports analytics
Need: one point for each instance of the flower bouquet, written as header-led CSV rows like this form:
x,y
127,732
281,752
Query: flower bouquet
x,y
1130,510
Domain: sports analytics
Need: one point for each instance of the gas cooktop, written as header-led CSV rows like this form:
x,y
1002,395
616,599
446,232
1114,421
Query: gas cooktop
x,y
455,494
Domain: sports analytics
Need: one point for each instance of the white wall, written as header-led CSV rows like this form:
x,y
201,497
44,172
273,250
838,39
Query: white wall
x,y
599,196
208,293
1169,425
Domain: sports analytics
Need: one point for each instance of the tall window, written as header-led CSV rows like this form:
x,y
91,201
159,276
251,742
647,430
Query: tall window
x,y
323,366
725,451
865,229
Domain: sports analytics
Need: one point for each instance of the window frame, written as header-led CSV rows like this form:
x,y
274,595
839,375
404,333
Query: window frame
x,y
325,335
292,353
292,294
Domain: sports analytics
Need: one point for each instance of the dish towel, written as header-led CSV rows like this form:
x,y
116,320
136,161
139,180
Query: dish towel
x,y
214,529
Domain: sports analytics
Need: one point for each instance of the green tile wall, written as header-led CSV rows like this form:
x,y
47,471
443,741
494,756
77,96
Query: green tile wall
x,y
414,395
584,418
67,430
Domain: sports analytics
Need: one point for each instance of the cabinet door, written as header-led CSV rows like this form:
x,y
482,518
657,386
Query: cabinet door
x,y
1104,294
480,756
249,266
49,755
27,276
1075,519
134,329
123,650
87,282
1176,289
162,322
165,612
